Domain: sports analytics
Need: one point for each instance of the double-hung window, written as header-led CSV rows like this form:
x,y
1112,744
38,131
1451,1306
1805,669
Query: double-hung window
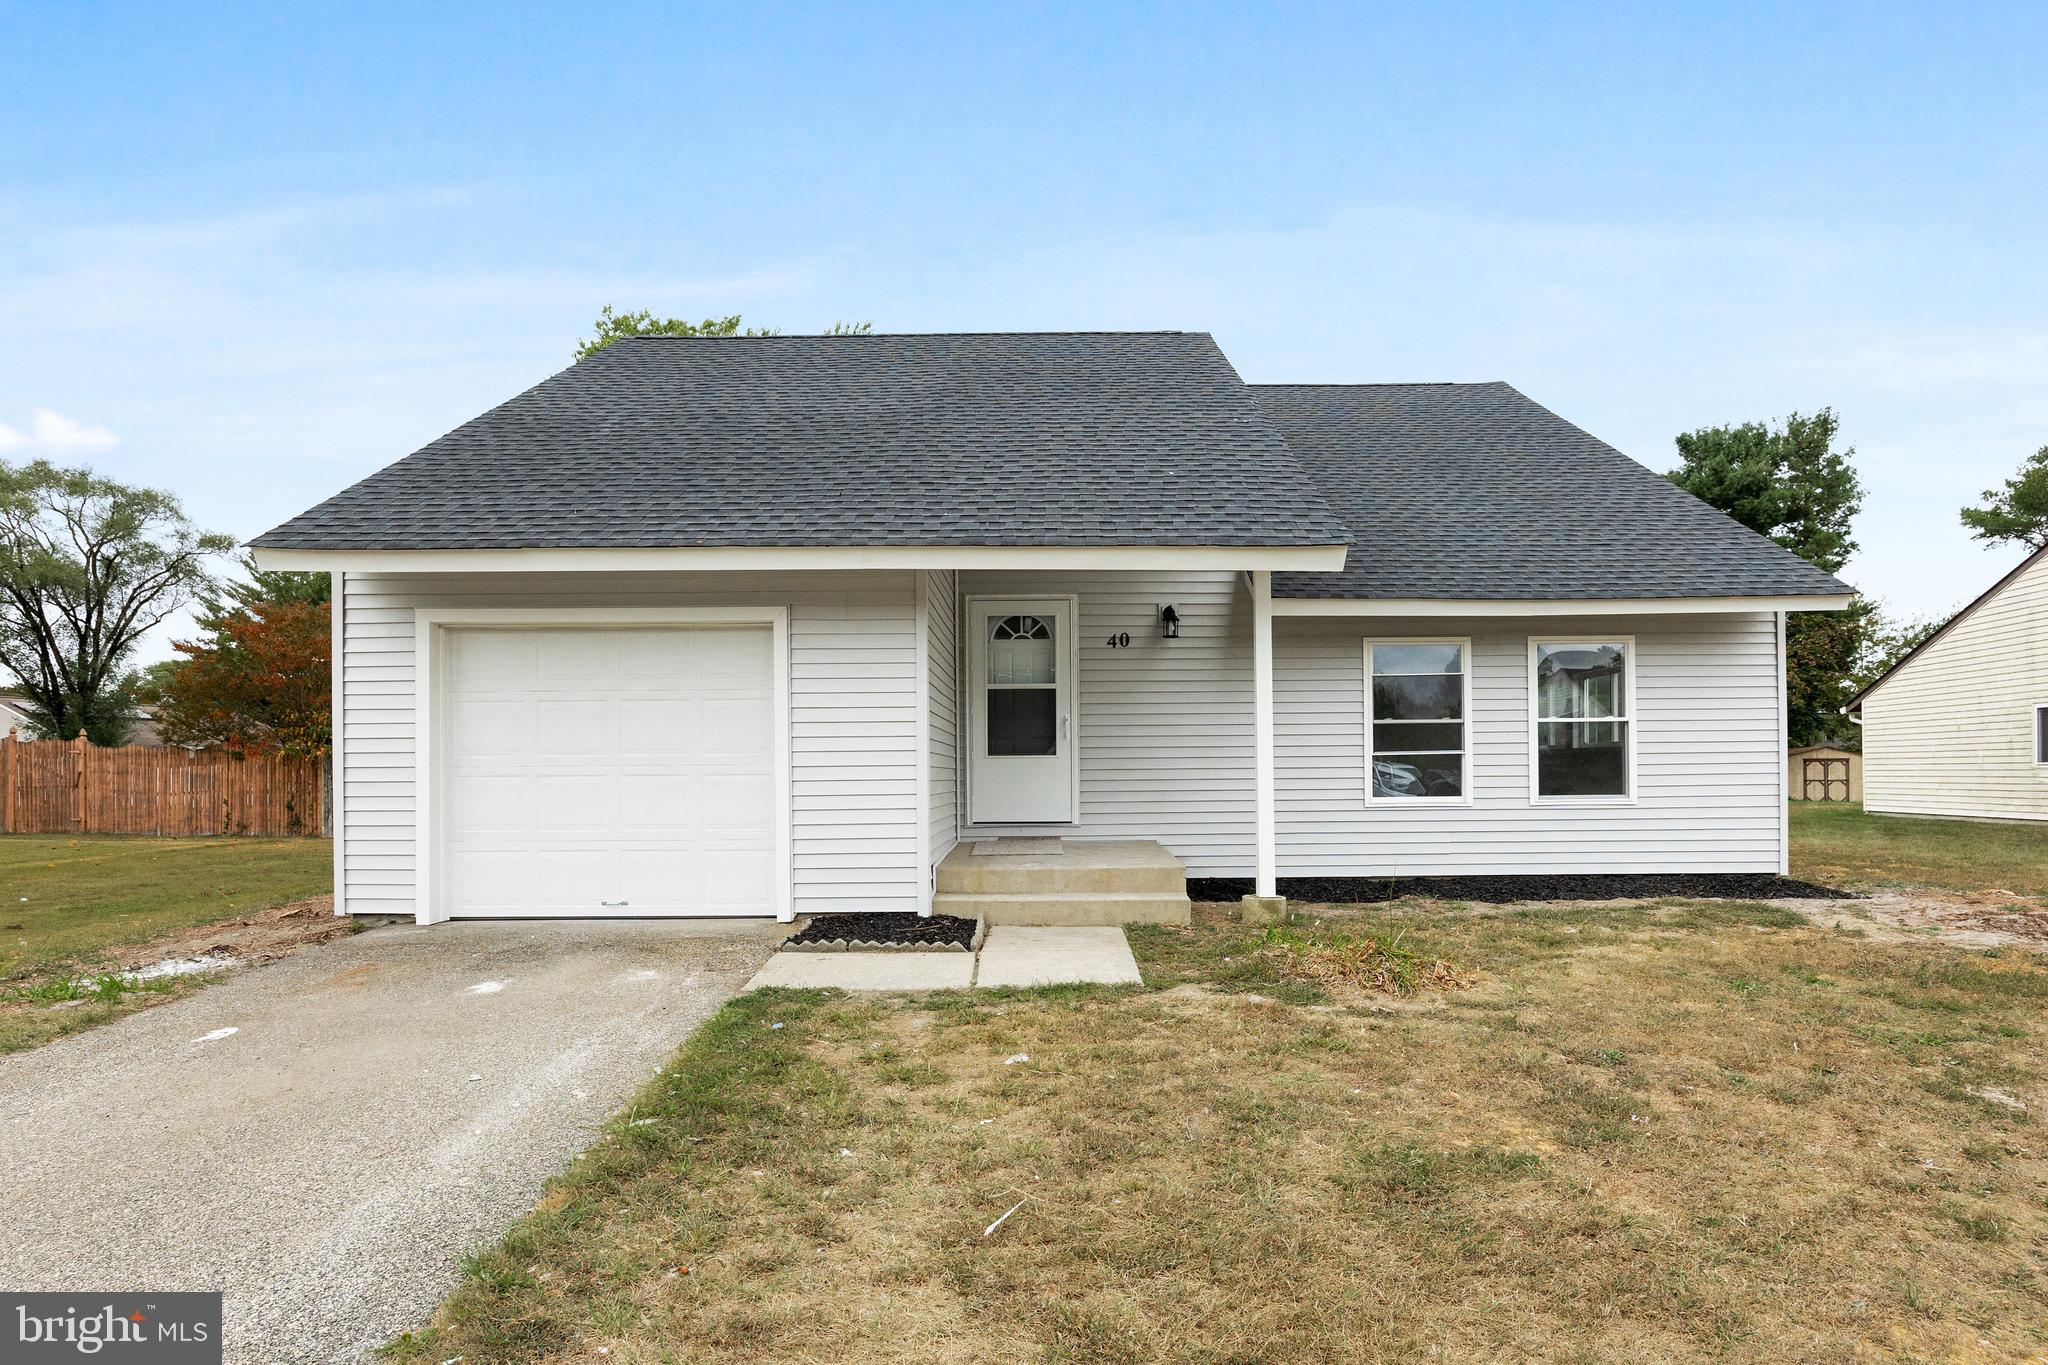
x,y
2041,735
1417,720
1581,694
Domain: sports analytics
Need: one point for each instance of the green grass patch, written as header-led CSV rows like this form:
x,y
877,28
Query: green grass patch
x,y
65,901
1840,844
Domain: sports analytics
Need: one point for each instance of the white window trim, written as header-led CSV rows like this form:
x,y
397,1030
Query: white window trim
x,y
2034,738
1628,683
430,629
1464,644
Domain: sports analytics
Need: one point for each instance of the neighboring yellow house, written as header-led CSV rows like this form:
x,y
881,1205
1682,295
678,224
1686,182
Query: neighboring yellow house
x,y
1824,772
1960,725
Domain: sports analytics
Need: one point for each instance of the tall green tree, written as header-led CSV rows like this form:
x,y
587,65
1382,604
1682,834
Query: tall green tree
x,y
87,567
615,326
256,586
1790,483
2019,510
1787,482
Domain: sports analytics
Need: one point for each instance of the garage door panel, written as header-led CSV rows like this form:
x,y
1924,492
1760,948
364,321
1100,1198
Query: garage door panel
x,y
654,659
490,881
733,658
492,661
577,728
489,728
576,661
609,771
733,803
738,725
577,803
576,880
734,878
661,726
661,804
658,881
488,804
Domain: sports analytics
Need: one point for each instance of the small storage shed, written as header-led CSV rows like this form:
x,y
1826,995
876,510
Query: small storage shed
x,y
1824,772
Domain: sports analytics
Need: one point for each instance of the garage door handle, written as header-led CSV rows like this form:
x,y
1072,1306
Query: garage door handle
x,y
612,902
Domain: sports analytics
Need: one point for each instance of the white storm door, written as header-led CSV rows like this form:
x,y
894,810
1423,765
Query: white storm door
x,y
609,772
1020,670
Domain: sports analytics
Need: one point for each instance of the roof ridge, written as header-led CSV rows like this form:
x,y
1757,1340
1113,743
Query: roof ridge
x,y
1385,384
870,336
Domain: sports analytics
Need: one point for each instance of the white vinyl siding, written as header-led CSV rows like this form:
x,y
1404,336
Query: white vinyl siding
x,y
1708,778
853,718
1165,725
1952,732
942,736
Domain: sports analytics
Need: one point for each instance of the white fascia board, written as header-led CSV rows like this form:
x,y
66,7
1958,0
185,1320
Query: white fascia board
x,y
1279,558
1617,606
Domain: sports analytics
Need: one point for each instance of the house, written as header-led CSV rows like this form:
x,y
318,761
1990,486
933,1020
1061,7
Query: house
x,y
14,715
1959,726
15,720
777,625
1824,772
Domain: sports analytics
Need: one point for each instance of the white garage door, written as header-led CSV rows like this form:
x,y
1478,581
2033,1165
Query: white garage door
x,y
608,772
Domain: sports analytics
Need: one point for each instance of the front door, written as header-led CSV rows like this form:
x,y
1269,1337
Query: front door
x,y
1020,678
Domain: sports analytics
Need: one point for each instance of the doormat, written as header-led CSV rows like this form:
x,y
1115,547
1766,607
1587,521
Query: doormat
x,y
884,932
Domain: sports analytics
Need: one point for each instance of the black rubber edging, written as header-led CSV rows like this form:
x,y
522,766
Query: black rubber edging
x,y
887,927
1747,886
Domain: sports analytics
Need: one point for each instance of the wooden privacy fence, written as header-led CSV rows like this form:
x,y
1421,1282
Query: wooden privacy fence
x,y
54,786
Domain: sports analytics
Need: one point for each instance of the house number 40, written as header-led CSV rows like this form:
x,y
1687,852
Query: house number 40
x,y
1120,640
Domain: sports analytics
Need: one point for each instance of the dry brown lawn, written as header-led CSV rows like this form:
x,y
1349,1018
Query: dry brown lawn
x,y
1598,1134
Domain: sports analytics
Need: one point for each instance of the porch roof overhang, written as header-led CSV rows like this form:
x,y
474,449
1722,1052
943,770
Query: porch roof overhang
x,y
1603,606
765,558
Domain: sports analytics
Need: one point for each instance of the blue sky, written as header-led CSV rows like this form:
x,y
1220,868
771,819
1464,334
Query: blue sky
x,y
251,253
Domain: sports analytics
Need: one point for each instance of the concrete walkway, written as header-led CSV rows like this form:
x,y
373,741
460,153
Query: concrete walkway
x,y
1012,955
323,1137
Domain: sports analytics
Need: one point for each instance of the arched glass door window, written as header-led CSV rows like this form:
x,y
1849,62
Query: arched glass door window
x,y
1023,692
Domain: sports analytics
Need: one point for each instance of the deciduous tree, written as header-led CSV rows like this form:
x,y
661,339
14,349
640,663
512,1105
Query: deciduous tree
x,y
259,683
87,567
1787,482
2019,510
614,326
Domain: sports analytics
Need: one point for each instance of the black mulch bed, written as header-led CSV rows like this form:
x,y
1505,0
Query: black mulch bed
x,y
1748,886
887,928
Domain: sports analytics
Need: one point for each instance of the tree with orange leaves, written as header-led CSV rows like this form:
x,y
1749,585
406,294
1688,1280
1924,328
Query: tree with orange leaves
x,y
260,683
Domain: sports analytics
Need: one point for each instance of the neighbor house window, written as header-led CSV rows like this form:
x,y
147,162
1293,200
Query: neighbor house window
x,y
1416,722
2041,734
1582,695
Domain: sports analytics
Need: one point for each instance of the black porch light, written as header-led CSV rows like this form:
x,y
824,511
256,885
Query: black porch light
x,y
1169,623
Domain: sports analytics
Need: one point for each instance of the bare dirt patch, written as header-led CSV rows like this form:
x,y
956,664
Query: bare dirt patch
x,y
261,937
1962,919
72,997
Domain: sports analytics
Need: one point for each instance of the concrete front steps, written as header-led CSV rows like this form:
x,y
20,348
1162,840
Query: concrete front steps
x,y
1057,882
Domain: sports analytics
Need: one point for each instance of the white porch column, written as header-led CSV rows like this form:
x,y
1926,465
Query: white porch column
x,y
1268,871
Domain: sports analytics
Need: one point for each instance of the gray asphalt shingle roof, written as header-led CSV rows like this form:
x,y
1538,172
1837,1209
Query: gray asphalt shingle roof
x,y
1473,491
1128,438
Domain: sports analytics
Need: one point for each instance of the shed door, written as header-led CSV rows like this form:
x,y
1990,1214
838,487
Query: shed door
x,y
614,772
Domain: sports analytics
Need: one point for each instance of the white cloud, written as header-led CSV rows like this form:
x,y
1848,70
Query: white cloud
x,y
52,433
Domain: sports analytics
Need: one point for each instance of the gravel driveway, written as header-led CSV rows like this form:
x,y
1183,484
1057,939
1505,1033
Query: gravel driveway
x,y
322,1138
